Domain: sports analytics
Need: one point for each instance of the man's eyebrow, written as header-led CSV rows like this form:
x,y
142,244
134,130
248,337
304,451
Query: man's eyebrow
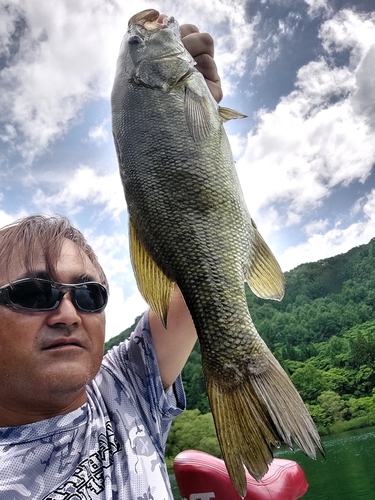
x,y
42,274
83,278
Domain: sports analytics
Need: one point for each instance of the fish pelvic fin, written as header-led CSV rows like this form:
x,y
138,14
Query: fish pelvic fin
x,y
261,411
227,114
152,283
263,274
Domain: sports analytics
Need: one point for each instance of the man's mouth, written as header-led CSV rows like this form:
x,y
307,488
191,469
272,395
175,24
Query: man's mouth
x,y
63,344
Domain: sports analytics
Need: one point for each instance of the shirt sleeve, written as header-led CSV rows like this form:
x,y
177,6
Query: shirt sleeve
x,y
134,366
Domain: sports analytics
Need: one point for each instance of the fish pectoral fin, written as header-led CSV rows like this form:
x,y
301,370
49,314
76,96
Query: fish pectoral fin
x,y
152,283
197,115
227,114
264,275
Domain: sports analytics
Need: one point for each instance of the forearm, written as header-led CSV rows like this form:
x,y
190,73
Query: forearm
x,y
174,344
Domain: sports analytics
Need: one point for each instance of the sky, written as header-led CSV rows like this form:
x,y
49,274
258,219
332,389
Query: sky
x,y
301,70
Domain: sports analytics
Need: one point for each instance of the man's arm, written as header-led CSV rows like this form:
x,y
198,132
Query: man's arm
x,y
174,344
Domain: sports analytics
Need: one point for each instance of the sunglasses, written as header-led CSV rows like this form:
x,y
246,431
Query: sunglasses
x,y
36,294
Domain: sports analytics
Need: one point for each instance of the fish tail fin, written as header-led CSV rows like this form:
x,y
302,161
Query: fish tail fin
x,y
262,411
244,430
287,409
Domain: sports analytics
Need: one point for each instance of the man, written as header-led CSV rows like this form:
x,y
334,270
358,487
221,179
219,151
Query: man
x,y
72,424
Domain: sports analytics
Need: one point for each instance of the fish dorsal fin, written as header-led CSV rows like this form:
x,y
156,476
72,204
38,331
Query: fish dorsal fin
x,y
227,114
264,275
154,286
197,115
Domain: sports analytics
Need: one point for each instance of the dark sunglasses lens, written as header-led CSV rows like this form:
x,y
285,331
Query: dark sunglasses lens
x,y
31,295
90,297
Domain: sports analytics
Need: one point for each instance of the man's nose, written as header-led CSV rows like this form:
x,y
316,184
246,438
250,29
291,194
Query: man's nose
x,y
66,313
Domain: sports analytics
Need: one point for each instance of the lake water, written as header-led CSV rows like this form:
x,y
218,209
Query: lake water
x,y
347,472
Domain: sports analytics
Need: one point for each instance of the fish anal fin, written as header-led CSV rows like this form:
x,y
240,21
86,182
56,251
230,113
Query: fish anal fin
x,y
227,114
152,283
197,115
263,274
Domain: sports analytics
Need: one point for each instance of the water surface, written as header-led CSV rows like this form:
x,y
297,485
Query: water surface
x,y
347,472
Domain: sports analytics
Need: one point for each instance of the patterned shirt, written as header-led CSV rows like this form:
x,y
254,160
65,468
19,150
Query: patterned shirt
x,y
111,448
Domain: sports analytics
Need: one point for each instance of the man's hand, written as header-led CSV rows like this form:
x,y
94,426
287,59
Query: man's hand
x,y
201,47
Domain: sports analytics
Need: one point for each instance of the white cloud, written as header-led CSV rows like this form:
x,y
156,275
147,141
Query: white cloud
x,y
321,245
125,302
349,30
237,144
113,253
317,6
66,56
98,135
9,134
7,218
363,99
318,137
122,310
84,187
316,227
271,34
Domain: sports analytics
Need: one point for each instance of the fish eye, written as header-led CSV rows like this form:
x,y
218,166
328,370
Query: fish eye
x,y
135,40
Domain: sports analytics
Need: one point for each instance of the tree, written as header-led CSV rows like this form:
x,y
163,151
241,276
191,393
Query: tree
x,y
333,406
193,431
337,349
309,381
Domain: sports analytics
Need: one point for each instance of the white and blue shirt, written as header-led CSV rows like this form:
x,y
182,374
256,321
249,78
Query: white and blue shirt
x,y
111,448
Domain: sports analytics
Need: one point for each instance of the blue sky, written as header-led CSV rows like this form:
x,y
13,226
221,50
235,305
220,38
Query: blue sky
x,y
302,70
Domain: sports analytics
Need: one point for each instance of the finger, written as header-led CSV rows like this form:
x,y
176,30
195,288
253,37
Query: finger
x,y
187,29
215,89
198,43
201,47
206,65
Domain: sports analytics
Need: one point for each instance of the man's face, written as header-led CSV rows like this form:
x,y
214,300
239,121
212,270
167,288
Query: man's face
x,y
47,358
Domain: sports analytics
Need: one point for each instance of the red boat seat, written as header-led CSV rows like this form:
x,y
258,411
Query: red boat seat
x,y
203,477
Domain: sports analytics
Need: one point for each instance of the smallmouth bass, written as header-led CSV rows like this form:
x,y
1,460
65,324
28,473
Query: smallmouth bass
x,y
189,225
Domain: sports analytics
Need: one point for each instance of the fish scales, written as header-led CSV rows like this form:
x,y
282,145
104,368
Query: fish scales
x,y
189,225
199,195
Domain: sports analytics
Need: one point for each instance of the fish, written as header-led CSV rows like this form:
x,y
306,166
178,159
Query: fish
x,y
189,226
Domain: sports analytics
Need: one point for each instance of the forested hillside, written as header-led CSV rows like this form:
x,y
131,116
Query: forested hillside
x,y
322,332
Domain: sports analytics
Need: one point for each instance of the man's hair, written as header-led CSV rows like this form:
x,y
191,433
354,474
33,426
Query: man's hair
x,y
26,239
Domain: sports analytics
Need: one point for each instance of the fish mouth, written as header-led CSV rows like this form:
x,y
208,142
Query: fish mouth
x,y
146,16
149,19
